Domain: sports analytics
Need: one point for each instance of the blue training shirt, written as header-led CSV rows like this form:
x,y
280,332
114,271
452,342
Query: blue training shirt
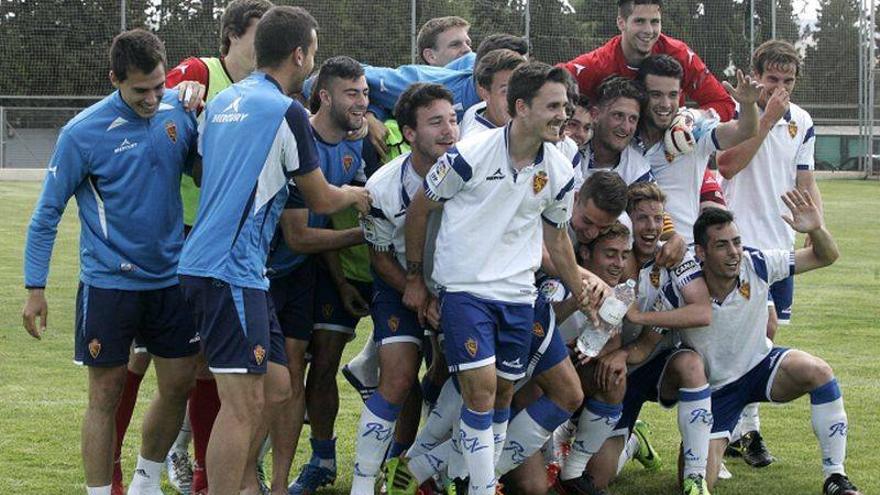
x,y
254,139
342,164
386,86
124,171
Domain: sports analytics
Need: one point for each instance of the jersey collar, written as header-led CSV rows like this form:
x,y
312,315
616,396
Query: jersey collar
x,y
538,158
269,78
122,107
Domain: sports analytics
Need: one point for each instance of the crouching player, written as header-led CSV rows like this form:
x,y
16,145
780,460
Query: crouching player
x,y
741,363
669,300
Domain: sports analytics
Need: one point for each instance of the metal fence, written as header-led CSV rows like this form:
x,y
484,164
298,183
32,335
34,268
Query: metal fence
x,y
53,52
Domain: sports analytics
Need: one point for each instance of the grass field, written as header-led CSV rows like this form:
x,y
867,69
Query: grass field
x,y
836,316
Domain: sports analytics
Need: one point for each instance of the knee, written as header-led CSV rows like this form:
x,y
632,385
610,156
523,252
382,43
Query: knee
x,y
532,486
568,394
396,386
689,368
820,373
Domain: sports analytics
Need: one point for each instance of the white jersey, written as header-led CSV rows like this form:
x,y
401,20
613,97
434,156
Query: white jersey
x,y
553,290
632,167
736,341
490,240
391,189
754,194
474,122
681,178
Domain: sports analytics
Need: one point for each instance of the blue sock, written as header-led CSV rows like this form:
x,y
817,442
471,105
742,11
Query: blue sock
x,y
323,453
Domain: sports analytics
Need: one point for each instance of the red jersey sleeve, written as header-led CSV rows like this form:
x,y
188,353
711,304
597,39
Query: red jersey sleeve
x,y
699,84
591,68
191,69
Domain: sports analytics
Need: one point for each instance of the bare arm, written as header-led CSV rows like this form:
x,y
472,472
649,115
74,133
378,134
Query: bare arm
x,y
351,298
415,295
697,311
734,132
589,291
806,181
386,266
734,160
301,238
324,199
806,219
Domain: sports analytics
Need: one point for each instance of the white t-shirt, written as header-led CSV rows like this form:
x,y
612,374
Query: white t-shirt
x,y
754,194
736,341
632,167
681,178
490,240
474,122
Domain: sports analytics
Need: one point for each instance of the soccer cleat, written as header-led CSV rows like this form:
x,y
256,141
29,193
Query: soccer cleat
x,y
180,471
734,449
754,450
364,390
647,456
310,479
724,473
839,484
582,485
695,485
398,479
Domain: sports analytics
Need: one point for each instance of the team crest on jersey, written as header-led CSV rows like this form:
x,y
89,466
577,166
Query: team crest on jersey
x,y
393,323
327,310
171,130
471,347
539,181
792,128
95,348
347,160
655,277
259,354
538,330
746,290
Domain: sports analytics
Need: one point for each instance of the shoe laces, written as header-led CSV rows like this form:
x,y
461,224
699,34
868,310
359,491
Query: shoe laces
x,y
182,467
756,443
312,476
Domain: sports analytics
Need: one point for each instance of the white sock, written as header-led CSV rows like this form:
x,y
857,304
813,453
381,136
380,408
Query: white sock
x,y
830,426
750,419
147,475
736,435
375,429
597,421
500,418
528,431
365,365
456,467
98,490
628,452
477,447
181,443
438,426
430,463
695,426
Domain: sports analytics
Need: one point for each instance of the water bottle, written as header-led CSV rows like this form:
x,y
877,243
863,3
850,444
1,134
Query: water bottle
x,y
592,340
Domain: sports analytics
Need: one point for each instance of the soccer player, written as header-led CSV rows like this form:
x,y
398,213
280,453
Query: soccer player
x,y
580,125
127,149
255,139
429,125
492,75
639,22
669,300
742,364
442,40
318,307
488,281
681,176
755,175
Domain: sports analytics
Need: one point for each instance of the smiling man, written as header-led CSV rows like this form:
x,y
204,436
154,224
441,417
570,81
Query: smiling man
x,y
122,158
443,39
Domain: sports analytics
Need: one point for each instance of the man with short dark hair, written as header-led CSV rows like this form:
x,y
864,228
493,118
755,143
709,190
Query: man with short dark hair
x,y
255,139
492,75
443,39
489,281
580,124
132,144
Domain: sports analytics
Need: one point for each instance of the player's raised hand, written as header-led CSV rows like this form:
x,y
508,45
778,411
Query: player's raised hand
x,y
747,90
805,216
192,94
359,198
35,307
777,104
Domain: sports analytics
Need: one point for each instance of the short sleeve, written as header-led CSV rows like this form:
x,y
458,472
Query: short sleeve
x,y
773,265
806,159
558,212
299,153
686,272
378,229
447,177
553,290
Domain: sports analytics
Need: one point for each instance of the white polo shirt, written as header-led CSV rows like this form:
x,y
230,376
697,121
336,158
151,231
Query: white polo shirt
x,y
632,167
474,122
490,240
736,341
681,178
754,194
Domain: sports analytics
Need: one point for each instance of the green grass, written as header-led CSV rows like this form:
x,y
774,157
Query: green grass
x,y
836,316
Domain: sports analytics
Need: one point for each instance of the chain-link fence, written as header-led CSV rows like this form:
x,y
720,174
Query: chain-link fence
x,y
54,52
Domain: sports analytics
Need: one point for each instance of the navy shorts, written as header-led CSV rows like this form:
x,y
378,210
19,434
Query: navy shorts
x,y
238,326
547,348
392,321
643,385
330,314
729,401
479,332
782,297
294,298
109,320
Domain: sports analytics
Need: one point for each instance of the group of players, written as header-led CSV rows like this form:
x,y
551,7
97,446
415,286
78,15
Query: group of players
x,y
479,208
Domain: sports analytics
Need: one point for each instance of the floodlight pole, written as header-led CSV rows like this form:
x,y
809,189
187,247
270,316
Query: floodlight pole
x,y
773,19
528,19
412,32
122,21
751,27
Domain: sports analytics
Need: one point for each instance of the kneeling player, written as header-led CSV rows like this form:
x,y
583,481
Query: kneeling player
x,y
658,370
742,364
